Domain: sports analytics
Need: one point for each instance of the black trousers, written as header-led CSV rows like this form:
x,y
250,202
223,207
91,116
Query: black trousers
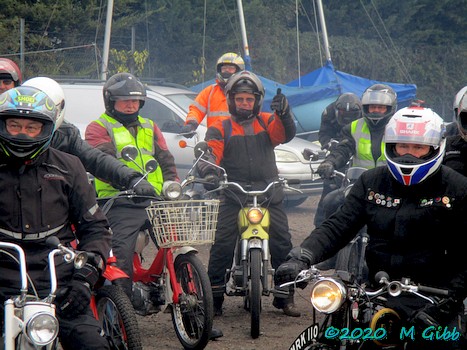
x,y
222,251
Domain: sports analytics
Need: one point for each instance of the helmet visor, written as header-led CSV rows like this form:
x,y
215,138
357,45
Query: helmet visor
x,y
377,97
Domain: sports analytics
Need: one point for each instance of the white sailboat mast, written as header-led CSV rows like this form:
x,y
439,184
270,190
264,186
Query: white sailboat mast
x,y
244,37
324,30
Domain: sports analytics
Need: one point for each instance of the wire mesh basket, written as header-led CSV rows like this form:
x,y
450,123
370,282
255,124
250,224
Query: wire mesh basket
x,y
184,222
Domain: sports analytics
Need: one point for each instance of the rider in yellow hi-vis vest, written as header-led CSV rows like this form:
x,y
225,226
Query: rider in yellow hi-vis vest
x,y
119,126
122,137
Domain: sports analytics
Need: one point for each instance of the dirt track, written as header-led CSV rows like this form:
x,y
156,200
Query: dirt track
x,y
277,330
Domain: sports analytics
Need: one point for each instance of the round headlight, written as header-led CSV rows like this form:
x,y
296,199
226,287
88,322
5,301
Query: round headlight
x,y
255,216
171,190
42,328
327,295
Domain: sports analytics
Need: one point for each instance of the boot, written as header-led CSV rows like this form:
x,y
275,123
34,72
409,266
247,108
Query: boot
x,y
218,301
215,333
287,305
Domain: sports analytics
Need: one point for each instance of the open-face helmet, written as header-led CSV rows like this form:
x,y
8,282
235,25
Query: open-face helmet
x,y
457,100
123,86
10,70
248,82
348,108
26,103
461,117
414,125
383,95
54,91
229,58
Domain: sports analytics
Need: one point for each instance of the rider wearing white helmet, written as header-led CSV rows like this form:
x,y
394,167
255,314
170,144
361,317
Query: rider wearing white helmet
x,y
67,138
456,146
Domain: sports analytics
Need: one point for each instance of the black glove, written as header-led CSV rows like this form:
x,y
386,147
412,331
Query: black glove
x,y
143,188
436,315
298,259
212,181
325,169
74,299
280,104
188,130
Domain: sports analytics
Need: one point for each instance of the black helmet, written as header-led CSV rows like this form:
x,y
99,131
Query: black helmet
x,y
244,81
123,86
379,94
26,103
348,108
10,70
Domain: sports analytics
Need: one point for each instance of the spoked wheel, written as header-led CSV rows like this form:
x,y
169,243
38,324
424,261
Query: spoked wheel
x,y
117,318
255,291
192,316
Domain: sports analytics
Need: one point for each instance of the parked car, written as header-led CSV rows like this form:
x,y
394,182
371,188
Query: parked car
x,y
168,107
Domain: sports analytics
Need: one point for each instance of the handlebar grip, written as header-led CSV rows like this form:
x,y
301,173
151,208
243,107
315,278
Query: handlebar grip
x,y
436,291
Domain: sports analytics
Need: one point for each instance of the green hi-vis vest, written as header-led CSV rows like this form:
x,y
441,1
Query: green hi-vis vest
x,y
144,142
363,157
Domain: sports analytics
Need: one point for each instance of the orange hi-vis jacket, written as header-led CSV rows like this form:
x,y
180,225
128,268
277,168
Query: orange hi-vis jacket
x,y
210,102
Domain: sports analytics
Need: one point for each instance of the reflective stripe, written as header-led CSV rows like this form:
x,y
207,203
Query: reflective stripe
x,y
93,209
31,236
363,156
199,106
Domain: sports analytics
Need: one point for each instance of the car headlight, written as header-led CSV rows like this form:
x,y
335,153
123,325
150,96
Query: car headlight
x,y
328,295
254,215
286,156
42,328
172,190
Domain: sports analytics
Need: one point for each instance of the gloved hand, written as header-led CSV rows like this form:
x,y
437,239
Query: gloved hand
x,y
280,104
74,299
188,130
325,170
436,315
298,259
212,181
143,188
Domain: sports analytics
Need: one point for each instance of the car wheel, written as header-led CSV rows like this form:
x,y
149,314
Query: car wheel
x,y
294,202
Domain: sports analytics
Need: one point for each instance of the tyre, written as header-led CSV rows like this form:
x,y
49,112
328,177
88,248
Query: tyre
x,y
192,316
255,291
294,202
117,318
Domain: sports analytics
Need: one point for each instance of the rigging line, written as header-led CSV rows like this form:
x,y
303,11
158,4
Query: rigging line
x,y
99,18
48,22
234,30
313,27
298,45
147,37
317,35
379,34
203,52
405,71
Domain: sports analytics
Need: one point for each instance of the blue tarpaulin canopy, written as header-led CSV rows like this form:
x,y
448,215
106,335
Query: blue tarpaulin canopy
x,y
310,94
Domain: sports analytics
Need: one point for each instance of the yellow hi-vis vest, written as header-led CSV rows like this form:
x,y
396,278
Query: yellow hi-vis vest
x,y
144,142
363,157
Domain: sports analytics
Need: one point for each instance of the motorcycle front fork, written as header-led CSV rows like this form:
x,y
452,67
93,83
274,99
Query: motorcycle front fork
x,y
237,278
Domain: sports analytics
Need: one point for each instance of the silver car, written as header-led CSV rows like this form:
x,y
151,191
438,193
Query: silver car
x,y
168,107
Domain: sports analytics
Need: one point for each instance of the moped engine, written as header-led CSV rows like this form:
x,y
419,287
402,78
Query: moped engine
x,y
147,298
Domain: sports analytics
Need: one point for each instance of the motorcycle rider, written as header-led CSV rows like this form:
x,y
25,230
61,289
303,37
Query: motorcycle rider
x,y
211,101
452,128
10,75
456,146
244,146
45,192
121,125
335,116
363,138
405,206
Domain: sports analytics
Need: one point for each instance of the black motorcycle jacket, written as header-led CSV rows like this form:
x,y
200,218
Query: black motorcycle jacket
x,y
68,139
49,196
456,154
413,230
329,127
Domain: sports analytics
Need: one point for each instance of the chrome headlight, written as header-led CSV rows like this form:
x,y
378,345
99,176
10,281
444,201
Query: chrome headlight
x,y
254,215
172,190
42,328
328,295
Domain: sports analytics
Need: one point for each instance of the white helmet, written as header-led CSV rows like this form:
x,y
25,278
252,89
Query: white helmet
x,y
54,91
457,100
415,125
461,116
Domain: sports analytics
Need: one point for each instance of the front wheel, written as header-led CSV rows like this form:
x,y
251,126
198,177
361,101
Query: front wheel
x,y
255,291
117,318
192,316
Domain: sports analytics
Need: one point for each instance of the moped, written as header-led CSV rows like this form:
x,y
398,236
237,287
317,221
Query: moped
x,y
29,320
251,275
176,280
